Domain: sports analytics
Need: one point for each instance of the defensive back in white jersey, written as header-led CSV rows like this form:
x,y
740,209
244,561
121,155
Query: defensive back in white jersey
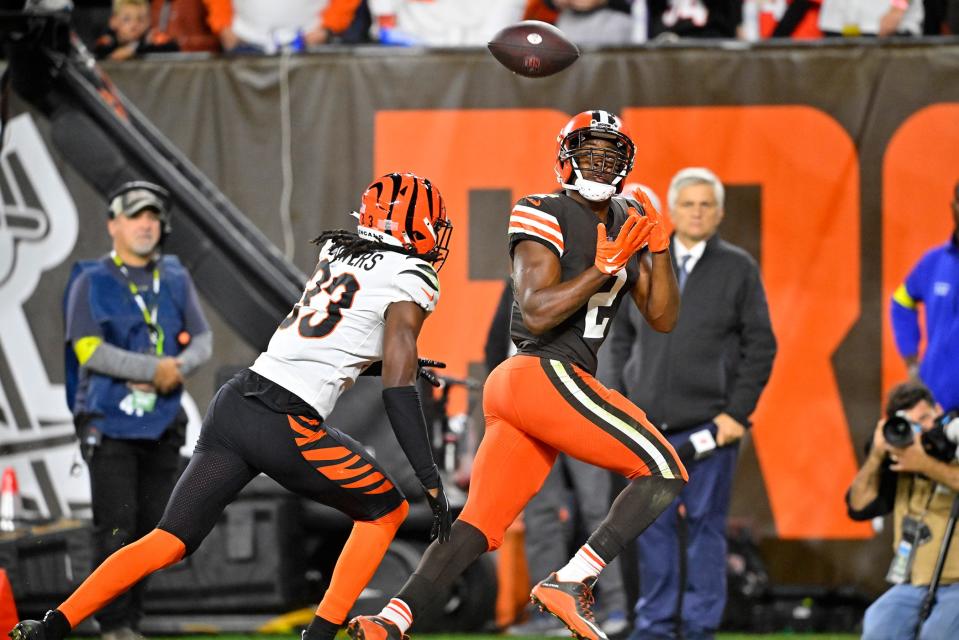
x,y
335,331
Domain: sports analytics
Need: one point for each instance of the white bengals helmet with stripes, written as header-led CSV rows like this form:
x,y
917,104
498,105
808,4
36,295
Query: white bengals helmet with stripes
x,y
611,165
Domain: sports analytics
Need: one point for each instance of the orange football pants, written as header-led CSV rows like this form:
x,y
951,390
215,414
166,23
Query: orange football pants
x,y
536,407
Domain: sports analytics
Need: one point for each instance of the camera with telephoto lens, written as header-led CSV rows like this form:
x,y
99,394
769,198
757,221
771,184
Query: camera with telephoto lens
x,y
899,431
940,442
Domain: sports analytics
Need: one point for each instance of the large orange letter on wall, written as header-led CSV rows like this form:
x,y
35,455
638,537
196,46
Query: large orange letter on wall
x,y
918,175
808,170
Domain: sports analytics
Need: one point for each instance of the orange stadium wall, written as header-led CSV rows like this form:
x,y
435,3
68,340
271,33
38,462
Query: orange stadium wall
x,y
838,160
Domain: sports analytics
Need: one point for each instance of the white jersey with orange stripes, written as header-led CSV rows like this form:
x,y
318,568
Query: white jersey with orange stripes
x,y
335,331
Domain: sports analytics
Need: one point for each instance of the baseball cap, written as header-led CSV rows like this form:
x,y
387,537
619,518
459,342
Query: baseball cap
x,y
134,197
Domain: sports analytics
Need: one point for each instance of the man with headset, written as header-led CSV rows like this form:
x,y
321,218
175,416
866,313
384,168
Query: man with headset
x,y
134,331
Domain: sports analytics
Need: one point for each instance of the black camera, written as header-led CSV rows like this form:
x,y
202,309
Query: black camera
x,y
43,23
940,442
898,431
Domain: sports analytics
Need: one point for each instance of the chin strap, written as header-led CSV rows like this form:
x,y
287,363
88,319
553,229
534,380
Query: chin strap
x,y
376,235
592,190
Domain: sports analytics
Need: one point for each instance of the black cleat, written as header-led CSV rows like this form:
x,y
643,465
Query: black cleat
x,y
28,630
53,627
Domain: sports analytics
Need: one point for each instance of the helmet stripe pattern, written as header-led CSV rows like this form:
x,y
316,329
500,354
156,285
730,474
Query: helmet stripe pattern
x,y
397,182
402,219
411,209
429,195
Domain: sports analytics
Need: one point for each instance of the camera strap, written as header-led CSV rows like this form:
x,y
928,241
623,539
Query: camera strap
x,y
913,533
925,508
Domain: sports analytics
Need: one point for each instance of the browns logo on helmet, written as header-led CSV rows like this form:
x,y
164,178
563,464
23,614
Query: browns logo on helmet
x,y
406,211
574,157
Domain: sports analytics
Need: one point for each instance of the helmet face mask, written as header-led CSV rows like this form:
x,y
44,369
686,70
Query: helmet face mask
x,y
603,162
407,212
596,171
444,231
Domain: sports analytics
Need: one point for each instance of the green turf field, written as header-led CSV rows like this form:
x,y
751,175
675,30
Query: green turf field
x,y
722,636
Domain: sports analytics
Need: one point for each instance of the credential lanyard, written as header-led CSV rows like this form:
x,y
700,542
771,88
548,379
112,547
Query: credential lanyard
x,y
149,315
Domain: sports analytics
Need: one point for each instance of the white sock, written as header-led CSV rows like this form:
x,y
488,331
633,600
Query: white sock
x,y
398,612
585,564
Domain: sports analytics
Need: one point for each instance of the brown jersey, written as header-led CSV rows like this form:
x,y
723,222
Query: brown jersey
x,y
568,229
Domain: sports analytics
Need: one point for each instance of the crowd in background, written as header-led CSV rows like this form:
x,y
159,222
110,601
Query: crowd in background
x,y
133,27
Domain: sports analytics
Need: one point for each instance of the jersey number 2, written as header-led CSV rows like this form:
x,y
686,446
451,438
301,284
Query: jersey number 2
x,y
308,325
599,308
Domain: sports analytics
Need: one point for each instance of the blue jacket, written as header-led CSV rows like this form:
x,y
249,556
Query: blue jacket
x,y
98,397
934,282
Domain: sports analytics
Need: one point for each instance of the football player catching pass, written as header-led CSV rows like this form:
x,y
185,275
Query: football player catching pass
x,y
569,277
363,306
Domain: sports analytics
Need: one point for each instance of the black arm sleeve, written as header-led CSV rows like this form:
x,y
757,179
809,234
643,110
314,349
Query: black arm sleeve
x,y
885,500
406,417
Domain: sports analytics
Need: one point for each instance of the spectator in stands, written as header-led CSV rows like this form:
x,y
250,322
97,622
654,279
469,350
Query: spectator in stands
x,y
796,19
933,283
941,17
130,35
136,329
442,23
871,17
707,374
694,18
590,22
268,26
919,490
184,21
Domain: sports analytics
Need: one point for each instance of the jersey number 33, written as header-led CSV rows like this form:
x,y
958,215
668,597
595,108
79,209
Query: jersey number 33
x,y
313,323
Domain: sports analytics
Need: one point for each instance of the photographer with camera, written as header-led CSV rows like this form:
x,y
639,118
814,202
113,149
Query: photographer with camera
x,y
911,471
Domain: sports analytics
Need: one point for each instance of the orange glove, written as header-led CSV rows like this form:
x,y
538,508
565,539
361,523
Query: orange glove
x,y
612,255
658,238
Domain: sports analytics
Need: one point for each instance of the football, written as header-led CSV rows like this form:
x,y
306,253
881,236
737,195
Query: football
x,y
533,49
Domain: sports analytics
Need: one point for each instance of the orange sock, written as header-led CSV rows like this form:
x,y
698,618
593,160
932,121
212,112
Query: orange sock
x,y
122,570
358,561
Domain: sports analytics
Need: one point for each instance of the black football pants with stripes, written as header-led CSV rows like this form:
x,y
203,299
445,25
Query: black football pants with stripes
x,y
254,426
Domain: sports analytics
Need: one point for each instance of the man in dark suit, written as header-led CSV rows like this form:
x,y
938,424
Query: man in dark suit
x,y
707,374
